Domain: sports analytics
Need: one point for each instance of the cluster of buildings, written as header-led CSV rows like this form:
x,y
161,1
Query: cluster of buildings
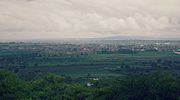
x,y
55,49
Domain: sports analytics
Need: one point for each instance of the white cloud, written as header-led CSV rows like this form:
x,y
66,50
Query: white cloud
x,y
88,18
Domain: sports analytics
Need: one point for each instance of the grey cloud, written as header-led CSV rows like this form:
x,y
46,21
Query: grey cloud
x,y
89,18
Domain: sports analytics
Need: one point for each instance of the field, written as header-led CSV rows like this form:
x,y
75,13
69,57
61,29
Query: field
x,y
26,62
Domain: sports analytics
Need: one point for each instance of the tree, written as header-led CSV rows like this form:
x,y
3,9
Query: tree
x,y
11,87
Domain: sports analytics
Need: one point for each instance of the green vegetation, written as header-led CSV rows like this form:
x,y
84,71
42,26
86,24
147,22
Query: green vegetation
x,y
97,64
53,87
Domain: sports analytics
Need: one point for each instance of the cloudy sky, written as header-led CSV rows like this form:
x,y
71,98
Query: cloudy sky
x,y
53,19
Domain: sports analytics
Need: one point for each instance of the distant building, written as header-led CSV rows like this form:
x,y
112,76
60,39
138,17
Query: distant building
x,y
177,51
89,84
95,79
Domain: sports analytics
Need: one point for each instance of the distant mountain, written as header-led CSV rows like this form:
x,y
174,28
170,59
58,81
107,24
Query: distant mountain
x,y
126,38
123,37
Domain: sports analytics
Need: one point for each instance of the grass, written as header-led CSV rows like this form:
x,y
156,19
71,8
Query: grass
x,y
103,59
93,64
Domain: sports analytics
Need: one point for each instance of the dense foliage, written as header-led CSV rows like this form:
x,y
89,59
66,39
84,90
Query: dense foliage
x,y
54,87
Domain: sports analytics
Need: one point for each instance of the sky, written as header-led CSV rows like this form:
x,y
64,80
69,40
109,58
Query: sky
x,y
56,19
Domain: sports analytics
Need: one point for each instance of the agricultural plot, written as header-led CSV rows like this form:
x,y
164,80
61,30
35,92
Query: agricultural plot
x,y
78,60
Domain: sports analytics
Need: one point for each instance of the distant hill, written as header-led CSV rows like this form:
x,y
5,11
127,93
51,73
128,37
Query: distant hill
x,y
123,37
126,38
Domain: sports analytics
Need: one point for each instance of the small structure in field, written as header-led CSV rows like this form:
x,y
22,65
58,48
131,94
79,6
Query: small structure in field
x,y
177,51
89,84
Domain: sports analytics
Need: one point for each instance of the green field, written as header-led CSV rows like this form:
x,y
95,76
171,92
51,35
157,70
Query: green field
x,y
95,64
98,60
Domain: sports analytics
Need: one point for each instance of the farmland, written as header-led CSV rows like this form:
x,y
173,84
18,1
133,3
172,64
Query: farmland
x,y
76,59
